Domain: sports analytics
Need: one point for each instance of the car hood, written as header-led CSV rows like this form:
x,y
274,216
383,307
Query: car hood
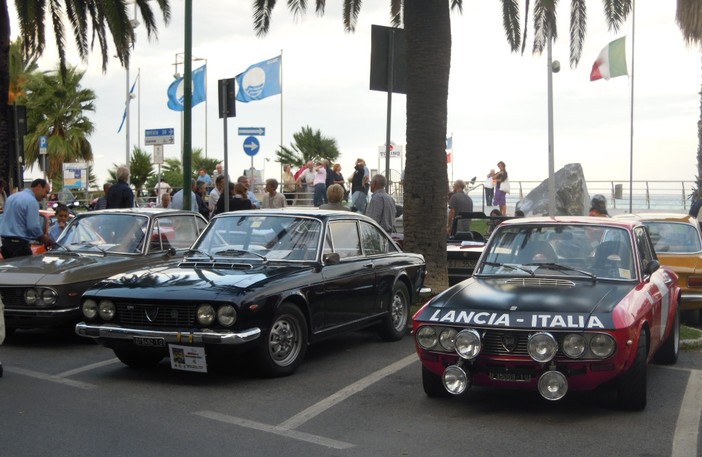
x,y
57,269
528,304
197,283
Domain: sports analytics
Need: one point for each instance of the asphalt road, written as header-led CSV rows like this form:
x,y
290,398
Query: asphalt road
x,y
353,396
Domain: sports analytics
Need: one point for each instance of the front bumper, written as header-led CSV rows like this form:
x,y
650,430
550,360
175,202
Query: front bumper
x,y
39,317
111,332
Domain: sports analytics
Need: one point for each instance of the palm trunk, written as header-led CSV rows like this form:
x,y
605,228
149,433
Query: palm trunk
x,y
698,191
428,34
5,146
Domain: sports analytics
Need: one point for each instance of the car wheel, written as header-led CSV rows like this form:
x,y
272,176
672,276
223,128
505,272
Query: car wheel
x,y
432,384
285,343
667,354
632,385
394,325
137,359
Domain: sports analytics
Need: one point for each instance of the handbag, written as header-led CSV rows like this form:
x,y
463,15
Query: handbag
x,y
504,186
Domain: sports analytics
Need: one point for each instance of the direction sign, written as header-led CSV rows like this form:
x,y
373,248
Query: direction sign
x,y
259,131
43,145
158,136
251,146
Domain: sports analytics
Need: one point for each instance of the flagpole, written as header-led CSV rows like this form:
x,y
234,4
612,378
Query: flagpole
x,y
631,112
452,157
281,114
139,109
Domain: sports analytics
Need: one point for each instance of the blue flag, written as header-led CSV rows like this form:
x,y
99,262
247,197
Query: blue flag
x,y
449,143
124,116
176,96
259,81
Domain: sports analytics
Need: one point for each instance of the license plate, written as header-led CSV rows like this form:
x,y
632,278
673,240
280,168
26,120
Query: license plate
x,y
512,377
461,263
150,341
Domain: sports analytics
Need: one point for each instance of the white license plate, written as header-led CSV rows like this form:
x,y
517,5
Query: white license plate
x,y
461,263
513,377
150,341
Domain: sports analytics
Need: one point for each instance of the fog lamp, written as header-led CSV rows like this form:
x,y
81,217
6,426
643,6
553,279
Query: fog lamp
x,y
455,380
553,385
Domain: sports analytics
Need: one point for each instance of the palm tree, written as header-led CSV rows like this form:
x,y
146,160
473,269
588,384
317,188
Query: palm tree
x,y
21,67
308,145
428,41
140,169
687,15
91,22
56,108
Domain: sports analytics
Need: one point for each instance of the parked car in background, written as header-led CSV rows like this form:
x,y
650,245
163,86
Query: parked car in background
x,y
678,243
45,290
37,246
266,281
554,305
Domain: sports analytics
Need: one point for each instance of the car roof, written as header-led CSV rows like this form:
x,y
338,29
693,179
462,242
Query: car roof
x,y
145,211
670,217
580,220
308,212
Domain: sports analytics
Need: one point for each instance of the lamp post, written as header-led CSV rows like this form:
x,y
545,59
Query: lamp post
x,y
551,167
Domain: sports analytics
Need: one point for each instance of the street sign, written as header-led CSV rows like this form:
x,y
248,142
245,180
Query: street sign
x,y
158,136
251,146
259,131
158,154
43,145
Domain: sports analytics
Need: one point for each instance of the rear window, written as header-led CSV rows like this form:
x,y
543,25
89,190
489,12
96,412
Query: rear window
x,y
674,237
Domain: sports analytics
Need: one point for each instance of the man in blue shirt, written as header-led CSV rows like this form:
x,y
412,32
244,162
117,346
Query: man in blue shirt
x,y
255,203
22,221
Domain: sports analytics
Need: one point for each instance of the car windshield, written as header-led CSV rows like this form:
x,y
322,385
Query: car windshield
x,y
593,251
107,233
674,237
273,237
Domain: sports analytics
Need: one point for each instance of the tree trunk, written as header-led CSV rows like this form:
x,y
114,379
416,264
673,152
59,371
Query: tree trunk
x,y
428,34
5,146
698,191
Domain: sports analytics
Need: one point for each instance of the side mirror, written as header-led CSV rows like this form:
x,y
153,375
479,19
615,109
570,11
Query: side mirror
x,y
331,258
652,266
170,252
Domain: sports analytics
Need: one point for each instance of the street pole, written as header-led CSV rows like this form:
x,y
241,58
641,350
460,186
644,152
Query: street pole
x,y
551,161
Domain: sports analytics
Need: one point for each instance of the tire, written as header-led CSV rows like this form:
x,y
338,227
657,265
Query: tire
x,y
691,316
432,384
137,359
394,325
667,354
631,393
285,343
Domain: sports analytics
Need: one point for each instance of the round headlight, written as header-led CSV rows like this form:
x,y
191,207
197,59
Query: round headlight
x,y
447,339
602,345
426,337
468,344
107,310
90,308
574,345
48,296
205,315
455,380
553,385
226,315
542,347
31,296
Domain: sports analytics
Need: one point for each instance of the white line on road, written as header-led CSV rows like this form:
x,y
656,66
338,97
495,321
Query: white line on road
x,y
92,366
52,378
686,429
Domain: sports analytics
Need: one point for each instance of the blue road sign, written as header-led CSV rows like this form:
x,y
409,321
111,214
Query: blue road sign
x,y
259,131
159,136
251,146
43,145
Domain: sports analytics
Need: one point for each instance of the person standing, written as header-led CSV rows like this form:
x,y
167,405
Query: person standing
x,y
200,193
204,177
120,194
334,195
215,193
359,186
177,198
238,199
165,201
500,194
102,201
598,206
22,222
381,207
3,194
273,199
288,184
489,187
244,180
337,177
219,171
320,184
306,179
161,188
459,202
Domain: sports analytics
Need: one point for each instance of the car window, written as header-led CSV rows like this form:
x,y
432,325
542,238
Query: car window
x,y
177,231
374,242
646,251
111,233
345,238
674,237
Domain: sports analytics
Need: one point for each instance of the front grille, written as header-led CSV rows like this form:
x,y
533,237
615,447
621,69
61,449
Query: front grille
x,y
497,342
541,282
13,298
156,315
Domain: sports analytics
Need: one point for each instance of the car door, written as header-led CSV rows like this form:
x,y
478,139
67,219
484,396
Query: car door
x,y
349,286
378,247
658,287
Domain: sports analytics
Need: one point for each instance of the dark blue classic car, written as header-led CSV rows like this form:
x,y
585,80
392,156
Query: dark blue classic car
x,y
267,281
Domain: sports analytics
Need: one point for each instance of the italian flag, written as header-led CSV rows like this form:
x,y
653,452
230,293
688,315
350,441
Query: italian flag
x,y
611,62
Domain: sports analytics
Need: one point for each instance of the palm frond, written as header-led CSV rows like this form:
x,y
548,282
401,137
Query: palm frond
x,y
510,22
263,9
544,24
578,28
688,16
616,12
298,8
396,13
351,10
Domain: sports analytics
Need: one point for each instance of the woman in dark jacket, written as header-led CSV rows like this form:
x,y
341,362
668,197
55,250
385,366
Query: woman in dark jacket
x,y
237,199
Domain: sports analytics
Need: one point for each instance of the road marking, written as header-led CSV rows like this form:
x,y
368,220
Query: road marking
x,y
300,436
48,377
287,428
92,366
688,424
346,392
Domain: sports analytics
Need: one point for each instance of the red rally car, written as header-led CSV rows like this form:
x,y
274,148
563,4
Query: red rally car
x,y
554,304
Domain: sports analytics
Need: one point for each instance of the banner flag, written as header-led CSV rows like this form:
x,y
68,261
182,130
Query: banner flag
x,y
176,96
259,81
131,93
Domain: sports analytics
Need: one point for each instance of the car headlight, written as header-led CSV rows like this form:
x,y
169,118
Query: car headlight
x,y
89,308
542,347
447,339
574,345
226,315
48,296
602,345
107,310
205,315
31,296
468,344
426,337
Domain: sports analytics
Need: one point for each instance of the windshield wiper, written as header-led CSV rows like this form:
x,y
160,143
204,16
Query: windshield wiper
x,y
511,267
235,252
561,267
90,245
197,251
65,249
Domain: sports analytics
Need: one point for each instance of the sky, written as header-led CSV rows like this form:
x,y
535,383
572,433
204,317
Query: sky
x,y
497,105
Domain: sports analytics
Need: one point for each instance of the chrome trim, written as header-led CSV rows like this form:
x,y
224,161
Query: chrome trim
x,y
689,296
42,311
210,337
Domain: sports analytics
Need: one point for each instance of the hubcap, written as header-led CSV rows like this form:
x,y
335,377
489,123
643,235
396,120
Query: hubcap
x,y
284,342
397,312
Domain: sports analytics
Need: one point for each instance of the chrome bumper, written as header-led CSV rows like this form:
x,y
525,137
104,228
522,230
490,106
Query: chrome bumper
x,y
124,333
